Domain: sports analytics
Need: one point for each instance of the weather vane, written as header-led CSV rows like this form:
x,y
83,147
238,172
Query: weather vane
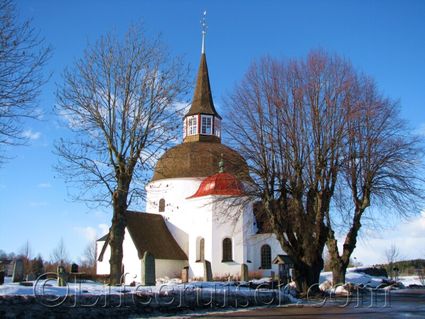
x,y
204,30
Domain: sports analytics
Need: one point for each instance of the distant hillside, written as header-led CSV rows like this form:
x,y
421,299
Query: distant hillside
x,y
407,267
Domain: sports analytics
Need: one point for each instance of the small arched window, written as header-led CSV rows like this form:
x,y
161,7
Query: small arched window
x,y
266,257
227,250
161,205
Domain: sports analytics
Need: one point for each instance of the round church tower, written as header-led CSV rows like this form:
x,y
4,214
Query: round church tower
x,y
181,170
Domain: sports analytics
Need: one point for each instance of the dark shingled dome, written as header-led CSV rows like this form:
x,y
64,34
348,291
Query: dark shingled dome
x,y
200,159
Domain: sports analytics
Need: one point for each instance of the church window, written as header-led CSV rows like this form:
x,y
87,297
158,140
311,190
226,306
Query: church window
x,y
192,122
266,257
161,205
227,250
206,124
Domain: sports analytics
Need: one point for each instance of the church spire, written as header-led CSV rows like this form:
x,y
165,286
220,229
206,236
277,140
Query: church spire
x,y
204,31
202,122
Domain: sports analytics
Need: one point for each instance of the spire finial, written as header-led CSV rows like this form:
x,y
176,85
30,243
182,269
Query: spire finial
x,y
204,30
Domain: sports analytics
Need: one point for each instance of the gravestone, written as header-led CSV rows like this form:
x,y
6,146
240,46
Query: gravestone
x,y
18,271
30,277
207,271
244,272
2,273
185,274
148,277
74,268
61,276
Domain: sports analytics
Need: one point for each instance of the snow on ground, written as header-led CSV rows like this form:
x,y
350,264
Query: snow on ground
x,y
358,278
92,288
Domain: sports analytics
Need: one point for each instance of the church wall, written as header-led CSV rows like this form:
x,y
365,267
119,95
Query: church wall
x,y
102,267
169,268
227,223
131,261
178,211
199,212
256,242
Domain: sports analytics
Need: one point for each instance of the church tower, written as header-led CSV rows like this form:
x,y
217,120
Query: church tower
x,y
202,123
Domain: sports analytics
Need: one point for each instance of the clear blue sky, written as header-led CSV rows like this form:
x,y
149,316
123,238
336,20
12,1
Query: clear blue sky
x,y
385,39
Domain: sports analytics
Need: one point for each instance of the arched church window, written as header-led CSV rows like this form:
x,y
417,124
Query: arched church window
x,y
200,249
161,205
227,250
266,257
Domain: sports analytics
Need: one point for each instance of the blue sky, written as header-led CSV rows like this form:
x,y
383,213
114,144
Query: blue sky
x,y
385,39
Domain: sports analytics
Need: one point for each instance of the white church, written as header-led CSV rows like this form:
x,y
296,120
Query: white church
x,y
196,209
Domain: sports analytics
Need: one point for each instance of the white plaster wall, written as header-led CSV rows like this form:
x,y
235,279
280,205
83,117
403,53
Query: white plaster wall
x,y
169,268
254,253
102,267
199,224
190,219
178,210
131,261
228,222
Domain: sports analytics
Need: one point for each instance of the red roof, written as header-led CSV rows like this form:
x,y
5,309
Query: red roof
x,y
219,184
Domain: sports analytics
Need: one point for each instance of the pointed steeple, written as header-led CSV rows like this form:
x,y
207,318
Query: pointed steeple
x,y
202,123
202,102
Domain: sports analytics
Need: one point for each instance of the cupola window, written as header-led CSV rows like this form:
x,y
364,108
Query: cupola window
x,y
206,125
192,124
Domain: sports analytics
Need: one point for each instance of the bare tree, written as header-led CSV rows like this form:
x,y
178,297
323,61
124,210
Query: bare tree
x,y
26,250
60,253
118,100
26,254
22,58
89,257
289,123
391,254
381,167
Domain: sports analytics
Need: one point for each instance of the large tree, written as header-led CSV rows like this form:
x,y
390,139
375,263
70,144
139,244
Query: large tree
x,y
22,58
382,168
119,100
289,123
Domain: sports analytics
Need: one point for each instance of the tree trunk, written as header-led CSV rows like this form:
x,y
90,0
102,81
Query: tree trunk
x,y
116,234
338,273
307,276
340,262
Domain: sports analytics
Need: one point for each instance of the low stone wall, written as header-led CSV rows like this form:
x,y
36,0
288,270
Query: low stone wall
x,y
129,305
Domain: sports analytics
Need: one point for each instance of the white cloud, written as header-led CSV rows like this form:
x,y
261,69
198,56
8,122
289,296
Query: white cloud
x,y
44,185
104,229
92,233
29,134
408,237
88,232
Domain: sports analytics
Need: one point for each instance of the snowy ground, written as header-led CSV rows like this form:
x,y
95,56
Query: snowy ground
x,y
93,288
371,281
